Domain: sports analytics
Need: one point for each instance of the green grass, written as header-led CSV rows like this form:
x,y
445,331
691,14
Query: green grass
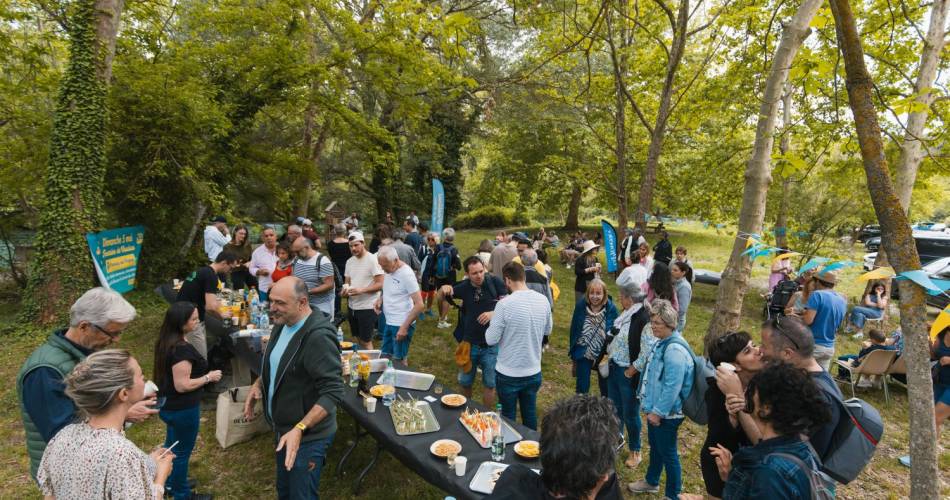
x,y
247,470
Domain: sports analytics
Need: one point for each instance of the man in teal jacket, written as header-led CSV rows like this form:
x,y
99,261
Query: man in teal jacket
x,y
96,320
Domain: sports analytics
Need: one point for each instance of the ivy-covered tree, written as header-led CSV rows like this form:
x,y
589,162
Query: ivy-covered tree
x,y
61,268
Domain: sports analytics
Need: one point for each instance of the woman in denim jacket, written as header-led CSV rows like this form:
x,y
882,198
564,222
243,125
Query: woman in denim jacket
x,y
665,384
785,403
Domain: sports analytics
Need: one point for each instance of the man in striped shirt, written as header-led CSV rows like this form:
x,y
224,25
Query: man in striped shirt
x,y
518,327
316,271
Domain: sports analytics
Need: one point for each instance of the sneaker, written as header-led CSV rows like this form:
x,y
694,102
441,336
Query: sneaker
x,y
443,324
642,486
633,460
864,383
857,336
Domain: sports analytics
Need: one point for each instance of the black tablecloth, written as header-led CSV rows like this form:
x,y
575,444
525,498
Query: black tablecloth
x,y
413,451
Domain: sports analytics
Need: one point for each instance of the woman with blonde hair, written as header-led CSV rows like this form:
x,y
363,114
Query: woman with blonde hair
x,y
593,318
93,458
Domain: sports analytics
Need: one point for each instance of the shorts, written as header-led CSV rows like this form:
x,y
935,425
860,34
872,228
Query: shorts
x,y
427,294
942,394
484,358
396,349
440,282
427,284
362,323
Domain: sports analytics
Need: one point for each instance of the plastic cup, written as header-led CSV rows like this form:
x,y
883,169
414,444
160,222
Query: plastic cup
x,y
460,463
370,405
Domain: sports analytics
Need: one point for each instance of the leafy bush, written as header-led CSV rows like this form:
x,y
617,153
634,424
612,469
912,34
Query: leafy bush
x,y
489,217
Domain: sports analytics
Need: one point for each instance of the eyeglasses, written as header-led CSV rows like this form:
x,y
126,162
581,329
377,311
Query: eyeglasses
x,y
105,332
778,327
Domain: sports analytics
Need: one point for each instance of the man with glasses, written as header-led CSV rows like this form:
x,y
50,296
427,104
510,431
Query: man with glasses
x,y
363,281
96,321
479,295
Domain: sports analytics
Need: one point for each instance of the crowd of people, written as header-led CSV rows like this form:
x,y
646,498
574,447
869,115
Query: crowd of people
x,y
771,407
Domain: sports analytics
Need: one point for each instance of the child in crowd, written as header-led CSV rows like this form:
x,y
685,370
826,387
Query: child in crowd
x,y
680,256
877,342
285,262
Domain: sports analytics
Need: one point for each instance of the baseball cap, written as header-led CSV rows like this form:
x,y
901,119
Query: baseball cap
x,y
356,236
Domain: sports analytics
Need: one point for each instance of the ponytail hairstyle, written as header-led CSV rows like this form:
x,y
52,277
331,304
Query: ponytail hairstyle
x,y
684,267
94,383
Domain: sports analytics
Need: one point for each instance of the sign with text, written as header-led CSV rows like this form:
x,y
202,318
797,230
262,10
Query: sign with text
x,y
438,206
610,245
115,253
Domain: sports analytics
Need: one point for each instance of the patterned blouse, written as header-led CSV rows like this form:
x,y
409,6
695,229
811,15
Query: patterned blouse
x,y
81,462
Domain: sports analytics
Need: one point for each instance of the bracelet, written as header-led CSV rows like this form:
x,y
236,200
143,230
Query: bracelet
x,y
301,426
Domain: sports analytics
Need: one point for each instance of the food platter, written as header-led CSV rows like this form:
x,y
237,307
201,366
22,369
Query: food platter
x,y
379,390
346,345
411,417
454,400
528,449
445,447
486,476
478,425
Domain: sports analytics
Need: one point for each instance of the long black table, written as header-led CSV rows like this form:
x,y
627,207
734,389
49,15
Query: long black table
x,y
411,451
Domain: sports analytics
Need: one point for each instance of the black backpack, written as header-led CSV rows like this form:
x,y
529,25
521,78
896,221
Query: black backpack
x,y
337,276
781,294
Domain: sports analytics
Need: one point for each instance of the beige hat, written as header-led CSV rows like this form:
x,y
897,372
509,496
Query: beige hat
x,y
356,236
588,246
830,277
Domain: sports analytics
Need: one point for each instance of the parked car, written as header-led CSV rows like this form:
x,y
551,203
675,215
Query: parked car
x,y
931,245
936,270
869,231
869,259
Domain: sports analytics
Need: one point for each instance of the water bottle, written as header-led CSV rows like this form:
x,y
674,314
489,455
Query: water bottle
x,y
264,321
354,370
497,436
339,335
255,308
389,378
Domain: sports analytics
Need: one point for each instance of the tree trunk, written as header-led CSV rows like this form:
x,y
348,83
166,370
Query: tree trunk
x,y
573,209
648,180
781,218
620,119
897,239
61,269
200,210
735,278
911,149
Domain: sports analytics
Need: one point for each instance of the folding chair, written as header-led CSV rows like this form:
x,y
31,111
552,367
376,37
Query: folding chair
x,y
898,367
875,363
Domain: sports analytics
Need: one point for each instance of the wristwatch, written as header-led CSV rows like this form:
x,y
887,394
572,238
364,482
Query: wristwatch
x,y
207,379
301,426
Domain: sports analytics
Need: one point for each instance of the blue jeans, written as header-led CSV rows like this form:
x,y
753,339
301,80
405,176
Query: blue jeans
x,y
484,357
860,314
181,426
396,349
663,454
302,481
584,367
626,404
523,390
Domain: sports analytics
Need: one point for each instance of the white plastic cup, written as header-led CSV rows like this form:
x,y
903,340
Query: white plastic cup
x,y
370,405
460,463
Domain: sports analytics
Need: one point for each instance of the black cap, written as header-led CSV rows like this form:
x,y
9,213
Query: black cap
x,y
220,218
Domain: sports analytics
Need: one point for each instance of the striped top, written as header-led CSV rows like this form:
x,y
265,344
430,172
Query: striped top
x,y
307,271
518,326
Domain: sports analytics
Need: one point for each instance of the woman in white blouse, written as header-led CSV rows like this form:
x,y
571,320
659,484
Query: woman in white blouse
x,y
92,459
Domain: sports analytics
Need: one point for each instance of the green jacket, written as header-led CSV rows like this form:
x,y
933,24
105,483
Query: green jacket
x,y
60,355
310,372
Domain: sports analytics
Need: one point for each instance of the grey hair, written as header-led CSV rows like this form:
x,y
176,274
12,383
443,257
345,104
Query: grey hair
x,y
448,234
387,252
307,242
631,291
94,383
100,306
663,309
399,234
339,229
435,235
295,228
300,288
529,257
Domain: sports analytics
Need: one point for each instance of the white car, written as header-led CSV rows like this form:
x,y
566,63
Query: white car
x,y
869,261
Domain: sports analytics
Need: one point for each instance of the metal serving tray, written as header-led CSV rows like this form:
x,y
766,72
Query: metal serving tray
x,y
413,380
431,424
482,482
511,435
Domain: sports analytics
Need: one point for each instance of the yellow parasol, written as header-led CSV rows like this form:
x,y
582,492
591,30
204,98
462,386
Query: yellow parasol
x,y
879,273
942,321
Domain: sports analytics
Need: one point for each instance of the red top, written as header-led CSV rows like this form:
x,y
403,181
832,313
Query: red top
x,y
281,273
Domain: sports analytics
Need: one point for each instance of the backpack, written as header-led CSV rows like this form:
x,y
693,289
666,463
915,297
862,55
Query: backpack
x,y
781,294
443,262
694,406
822,486
854,440
337,276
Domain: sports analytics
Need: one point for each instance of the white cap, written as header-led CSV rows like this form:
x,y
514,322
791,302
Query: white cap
x,y
306,222
356,236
